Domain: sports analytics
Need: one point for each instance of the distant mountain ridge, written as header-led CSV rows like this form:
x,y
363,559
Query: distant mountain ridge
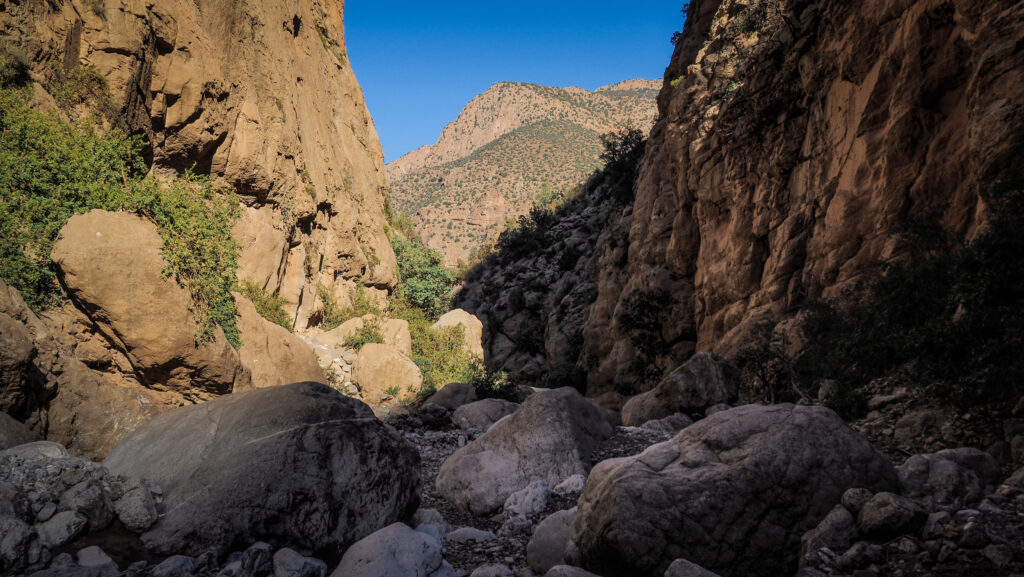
x,y
509,146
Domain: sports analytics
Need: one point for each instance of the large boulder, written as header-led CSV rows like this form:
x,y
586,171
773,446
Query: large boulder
x,y
701,382
546,548
473,329
452,396
550,437
382,370
733,493
298,465
395,550
113,269
15,359
272,355
953,476
480,415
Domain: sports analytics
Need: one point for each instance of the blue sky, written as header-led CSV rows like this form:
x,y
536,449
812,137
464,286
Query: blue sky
x,y
420,62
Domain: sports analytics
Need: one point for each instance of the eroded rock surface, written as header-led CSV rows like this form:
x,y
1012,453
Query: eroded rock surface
x,y
298,465
733,493
550,437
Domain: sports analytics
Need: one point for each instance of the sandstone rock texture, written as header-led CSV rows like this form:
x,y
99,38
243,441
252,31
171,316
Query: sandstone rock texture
x,y
55,394
550,437
473,329
296,465
733,493
261,96
272,355
112,268
793,139
382,370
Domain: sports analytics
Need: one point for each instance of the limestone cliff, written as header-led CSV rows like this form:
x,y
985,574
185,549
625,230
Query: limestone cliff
x,y
259,95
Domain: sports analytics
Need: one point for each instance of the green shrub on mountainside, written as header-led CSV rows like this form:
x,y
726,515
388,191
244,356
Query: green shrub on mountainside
x,y
268,305
51,170
424,282
950,320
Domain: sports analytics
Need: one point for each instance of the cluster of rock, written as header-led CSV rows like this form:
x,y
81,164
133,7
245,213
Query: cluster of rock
x,y
48,499
948,511
381,372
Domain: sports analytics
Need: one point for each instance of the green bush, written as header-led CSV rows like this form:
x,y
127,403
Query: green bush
x,y
268,305
370,332
195,219
440,354
424,281
333,313
53,170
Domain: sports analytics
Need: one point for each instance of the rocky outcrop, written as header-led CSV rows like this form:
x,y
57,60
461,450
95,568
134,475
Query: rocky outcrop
x,y
794,139
112,268
701,382
270,353
512,145
298,465
260,96
382,371
549,438
734,493
46,386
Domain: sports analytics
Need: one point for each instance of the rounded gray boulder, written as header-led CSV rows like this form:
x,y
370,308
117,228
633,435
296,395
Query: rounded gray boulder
x,y
298,465
733,493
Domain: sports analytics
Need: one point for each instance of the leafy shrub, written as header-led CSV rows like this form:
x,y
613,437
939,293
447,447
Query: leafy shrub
x,y
54,170
495,385
425,282
268,305
370,332
622,154
334,313
440,354
195,219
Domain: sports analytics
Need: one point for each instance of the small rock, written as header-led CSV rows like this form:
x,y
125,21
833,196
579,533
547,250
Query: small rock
x,y
711,411
837,531
46,511
670,424
470,534
515,525
528,501
999,555
492,570
571,485
935,526
889,515
288,563
860,555
62,528
568,571
88,498
95,557
136,509
37,450
684,568
257,561
394,550
546,548
974,536
855,499
15,538
175,566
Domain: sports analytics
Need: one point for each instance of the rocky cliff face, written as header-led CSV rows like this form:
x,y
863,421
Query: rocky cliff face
x,y
795,138
511,146
259,95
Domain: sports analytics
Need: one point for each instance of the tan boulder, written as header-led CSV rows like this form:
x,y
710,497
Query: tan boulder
x,y
472,327
381,370
271,354
111,265
395,333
